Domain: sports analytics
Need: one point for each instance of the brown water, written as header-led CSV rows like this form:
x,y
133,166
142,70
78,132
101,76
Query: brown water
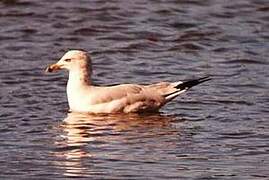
x,y
218,130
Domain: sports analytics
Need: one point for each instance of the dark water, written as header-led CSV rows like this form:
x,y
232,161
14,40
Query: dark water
x,y
219,130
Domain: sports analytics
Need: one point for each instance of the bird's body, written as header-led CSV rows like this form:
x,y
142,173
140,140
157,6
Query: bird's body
x,y
120,98
125,98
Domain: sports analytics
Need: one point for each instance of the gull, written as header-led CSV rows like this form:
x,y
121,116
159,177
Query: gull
x,y
85,97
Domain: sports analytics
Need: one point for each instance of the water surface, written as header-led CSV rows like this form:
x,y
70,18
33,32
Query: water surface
x,y
218,130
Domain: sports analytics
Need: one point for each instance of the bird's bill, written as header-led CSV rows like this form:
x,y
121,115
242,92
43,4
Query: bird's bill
x,y
53,68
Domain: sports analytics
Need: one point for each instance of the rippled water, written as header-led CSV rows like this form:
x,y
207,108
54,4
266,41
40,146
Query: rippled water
x,y
218,130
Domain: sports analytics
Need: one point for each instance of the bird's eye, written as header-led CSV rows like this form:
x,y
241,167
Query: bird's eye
x,y
67,60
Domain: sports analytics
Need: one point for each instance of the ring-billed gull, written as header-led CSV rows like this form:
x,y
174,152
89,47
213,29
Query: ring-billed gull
x,y
83,96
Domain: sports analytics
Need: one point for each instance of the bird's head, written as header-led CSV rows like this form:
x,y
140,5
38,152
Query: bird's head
x,y
72,60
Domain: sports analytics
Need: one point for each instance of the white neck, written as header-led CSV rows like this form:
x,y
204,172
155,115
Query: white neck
x,y
78,82
78,78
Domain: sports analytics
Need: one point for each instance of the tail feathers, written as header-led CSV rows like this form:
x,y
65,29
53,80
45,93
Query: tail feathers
x,y
184,86
188,84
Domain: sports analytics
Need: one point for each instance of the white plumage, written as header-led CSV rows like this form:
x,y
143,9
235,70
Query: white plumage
x,y
125,98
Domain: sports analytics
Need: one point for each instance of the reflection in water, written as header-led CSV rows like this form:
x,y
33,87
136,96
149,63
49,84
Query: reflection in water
x,y
86,136
225,135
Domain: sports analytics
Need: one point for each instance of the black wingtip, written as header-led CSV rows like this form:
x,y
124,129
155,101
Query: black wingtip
x,y
191,83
